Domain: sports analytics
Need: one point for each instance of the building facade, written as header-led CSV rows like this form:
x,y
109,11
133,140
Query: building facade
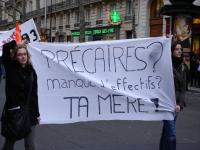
x,y
68,20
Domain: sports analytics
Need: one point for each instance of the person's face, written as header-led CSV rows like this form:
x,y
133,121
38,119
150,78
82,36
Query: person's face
x,y
178,51
22,56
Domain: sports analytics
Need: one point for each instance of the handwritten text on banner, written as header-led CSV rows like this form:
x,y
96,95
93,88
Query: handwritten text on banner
x,y
104,80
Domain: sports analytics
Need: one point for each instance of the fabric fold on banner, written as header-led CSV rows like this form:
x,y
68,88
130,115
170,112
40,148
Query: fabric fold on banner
x,y
104,80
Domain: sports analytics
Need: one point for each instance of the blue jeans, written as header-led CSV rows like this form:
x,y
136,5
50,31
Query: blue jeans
x,y
29,142
168,137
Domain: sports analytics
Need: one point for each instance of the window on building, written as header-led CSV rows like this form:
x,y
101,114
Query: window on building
x,y
53,2
48,21
18,15
77,17
155,8
61,20
87,15
129,34
99,13
42,22
196,45
72,1
54,21
9,12
61,38
30,6
53,39
113,7
67,18
156,21
128,8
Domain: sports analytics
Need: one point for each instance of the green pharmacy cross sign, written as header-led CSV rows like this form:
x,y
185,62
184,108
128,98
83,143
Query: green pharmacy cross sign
x,y
115,17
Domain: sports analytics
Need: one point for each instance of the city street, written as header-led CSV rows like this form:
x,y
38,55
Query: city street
x,y
118,135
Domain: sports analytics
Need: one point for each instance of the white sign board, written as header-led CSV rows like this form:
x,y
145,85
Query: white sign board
x,y
2,32
105,80
28,31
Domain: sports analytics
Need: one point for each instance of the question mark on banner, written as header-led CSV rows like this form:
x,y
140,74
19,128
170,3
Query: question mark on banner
x,y
156,53
156,103
159,80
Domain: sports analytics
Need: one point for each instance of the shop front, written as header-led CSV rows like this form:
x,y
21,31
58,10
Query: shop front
x,y
94,34
196,36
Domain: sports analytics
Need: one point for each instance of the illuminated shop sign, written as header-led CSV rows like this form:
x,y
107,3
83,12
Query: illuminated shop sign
x,y
196,20
91,32
115,17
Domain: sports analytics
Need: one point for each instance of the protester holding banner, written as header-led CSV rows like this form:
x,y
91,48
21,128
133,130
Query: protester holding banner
x,y
168,138
21,88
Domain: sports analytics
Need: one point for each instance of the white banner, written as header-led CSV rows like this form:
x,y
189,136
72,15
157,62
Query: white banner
x,y
2,32
28,31
104,80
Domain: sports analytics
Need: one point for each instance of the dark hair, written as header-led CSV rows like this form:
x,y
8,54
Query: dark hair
x,y
174,46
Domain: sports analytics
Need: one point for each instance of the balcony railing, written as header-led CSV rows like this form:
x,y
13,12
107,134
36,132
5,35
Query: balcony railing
x,y
87,23
99,22
65,5
8,3
53,28
35,13
60,27
91,1
61,6
68,5
127,18
67,26
76,25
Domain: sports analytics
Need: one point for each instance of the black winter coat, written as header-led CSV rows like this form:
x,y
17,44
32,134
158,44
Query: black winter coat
x,y
180,80
20,81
